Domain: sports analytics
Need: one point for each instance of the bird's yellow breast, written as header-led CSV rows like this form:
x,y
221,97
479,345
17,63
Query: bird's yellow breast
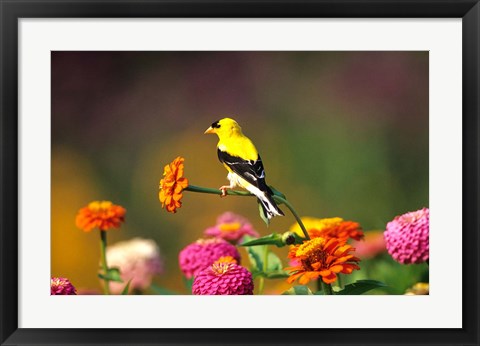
x,y
239,146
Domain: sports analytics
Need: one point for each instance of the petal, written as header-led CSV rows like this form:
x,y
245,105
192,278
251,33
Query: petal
x,y
343,259
294,277
325,272
336,268
329,279
307,277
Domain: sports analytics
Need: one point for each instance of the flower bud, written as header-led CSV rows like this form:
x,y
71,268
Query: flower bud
x,y
288,238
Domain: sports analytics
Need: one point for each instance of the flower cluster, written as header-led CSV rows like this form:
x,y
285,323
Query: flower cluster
x,y
232,228
172,185
103,215
407,237
203,253
61,286
138,261
223,277
320,249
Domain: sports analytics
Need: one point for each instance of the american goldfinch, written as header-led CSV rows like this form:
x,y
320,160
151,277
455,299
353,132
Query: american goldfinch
x,y
243,163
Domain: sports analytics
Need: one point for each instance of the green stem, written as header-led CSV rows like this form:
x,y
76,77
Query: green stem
x,y
339,280
265,259
277,199
193,188
297,217
261,282
327,289
103,258
319,284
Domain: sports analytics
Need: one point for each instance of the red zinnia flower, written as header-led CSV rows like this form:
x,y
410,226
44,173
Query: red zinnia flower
x,y
321,258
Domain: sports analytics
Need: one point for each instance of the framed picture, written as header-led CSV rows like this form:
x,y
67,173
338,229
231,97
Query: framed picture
x,y
340,126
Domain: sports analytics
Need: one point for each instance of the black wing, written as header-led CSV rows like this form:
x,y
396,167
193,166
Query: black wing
x,y
250,170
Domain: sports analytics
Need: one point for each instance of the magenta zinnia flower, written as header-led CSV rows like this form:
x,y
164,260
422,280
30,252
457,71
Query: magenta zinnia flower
x,y
407,236
223,278
61,286
232,228
201,254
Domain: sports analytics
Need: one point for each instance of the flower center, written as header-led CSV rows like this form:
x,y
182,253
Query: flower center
x,y
318,256
220,268
99,206
310,246
412,216
229,227
226,259
312,254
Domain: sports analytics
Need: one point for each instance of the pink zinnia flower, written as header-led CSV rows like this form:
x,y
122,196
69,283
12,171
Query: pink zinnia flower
x,y
201,254
61,286
223,278
372,244
138,260
407,236
232,228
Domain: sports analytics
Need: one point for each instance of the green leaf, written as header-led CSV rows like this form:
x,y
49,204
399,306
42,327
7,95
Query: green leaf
x,y
256,255
272,239
113,274
125,289
274,263
360,287
298,290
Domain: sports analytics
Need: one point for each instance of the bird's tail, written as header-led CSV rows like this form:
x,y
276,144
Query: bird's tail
x,y
270,208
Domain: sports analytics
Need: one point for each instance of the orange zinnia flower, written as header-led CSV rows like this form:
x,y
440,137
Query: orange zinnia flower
x,y
334,227
320,257
172,185
101,214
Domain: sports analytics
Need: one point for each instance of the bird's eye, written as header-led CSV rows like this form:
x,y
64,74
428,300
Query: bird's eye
x,y
216,125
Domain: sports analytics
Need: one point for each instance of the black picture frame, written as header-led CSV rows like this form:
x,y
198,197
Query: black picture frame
x,y
12,10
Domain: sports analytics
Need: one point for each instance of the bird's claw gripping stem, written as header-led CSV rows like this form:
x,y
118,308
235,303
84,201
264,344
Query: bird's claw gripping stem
x,y
224,190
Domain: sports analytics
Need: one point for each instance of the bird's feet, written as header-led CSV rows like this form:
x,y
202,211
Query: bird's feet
x,y
224,190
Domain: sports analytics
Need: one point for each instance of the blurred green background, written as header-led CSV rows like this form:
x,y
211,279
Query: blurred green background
x,y
340,133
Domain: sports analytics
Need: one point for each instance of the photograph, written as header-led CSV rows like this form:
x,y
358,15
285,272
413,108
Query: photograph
x,y
239,173
167,163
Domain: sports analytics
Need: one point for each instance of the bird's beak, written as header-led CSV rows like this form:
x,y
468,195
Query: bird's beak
x,y
209,130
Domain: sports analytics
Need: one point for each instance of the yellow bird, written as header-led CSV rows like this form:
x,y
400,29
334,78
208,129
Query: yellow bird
x,y
243,163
